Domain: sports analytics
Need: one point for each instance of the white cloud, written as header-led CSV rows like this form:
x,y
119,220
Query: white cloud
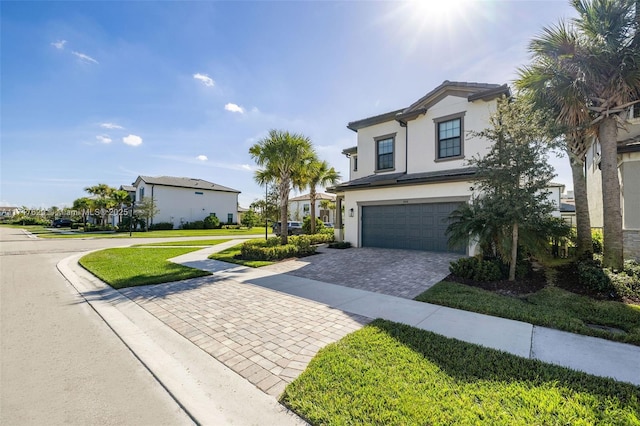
x,y
202,157
205,79
111,126
104,139
132,140
234,108
246,167
59,44
85,58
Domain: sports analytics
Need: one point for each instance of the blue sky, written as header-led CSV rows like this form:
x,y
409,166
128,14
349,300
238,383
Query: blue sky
x,y
101,92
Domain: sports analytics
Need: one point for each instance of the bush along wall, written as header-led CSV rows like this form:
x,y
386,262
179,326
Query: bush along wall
x,y
272,250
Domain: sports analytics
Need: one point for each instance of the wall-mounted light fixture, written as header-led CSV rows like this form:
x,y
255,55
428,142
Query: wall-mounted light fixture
x,y
350,212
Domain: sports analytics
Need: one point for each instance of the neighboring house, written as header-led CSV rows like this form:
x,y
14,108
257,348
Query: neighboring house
x,y
568,208
130,189
408,170
629,174
300,207
181,199
8,211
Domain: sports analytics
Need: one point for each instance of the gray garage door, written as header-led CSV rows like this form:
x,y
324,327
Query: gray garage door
x,y
408,226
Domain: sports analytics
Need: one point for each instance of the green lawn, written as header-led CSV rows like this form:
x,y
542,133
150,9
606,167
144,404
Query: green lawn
x,y
229,254
549,307
184,243
393,374
130,266
43,232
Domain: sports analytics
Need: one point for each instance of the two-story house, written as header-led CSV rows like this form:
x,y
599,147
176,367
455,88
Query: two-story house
x,y
300,207
181,199
629,175
408,171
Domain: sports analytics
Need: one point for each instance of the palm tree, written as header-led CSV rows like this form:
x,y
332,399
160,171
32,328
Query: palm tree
x,y
600,57
83,205
609,62
556,88
283,157
120,198
318,174
102,192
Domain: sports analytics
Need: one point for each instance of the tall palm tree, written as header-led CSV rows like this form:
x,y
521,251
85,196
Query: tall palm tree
x,y
601,57
319,174
551,85
283,157
83,205
609,62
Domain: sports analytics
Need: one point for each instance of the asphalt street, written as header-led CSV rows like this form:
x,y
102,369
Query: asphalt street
x,y
59,362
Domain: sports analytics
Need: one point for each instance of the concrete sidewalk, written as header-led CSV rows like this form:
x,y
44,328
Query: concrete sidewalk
x,y
592,355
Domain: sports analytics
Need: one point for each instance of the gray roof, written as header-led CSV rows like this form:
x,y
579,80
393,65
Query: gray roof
x,y
567,207
374,181
128,188
472,91
183,182
319,196
629,145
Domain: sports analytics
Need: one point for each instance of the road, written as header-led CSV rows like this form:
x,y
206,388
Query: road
x,y
59,362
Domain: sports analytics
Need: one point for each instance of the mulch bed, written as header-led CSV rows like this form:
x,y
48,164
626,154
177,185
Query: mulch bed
x,y
536,281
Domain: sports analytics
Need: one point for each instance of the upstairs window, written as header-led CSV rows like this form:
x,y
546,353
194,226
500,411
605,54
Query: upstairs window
x,y
449,141
355,163
384,152
141,193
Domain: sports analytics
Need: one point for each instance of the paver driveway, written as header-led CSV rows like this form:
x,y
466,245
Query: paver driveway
x,y
265,336
400,273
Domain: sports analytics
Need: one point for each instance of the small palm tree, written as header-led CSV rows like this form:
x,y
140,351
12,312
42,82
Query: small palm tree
x,y
102,192
319,174
120,198
283,157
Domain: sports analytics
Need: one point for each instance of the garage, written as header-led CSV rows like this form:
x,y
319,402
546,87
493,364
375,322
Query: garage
x,y
408,226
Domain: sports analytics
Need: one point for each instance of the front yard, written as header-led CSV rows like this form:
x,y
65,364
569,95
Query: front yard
x,y
133,266
388,373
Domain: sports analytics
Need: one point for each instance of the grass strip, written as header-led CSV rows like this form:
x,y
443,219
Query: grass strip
x,y
48,233
550,307
229,255
184,243
131,266
392,374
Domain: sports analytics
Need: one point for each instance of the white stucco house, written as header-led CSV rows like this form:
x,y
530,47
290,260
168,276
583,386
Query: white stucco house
x,y
629,175
408,170
181,199
300,207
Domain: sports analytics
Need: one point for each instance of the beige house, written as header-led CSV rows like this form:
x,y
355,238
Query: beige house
x,y
300,207
408,170
629,174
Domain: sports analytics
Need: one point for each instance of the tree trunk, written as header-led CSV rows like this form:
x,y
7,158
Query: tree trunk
x,y
612,215
583,221
284,200
312,200
514,253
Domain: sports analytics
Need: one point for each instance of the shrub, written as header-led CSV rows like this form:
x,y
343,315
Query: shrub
x,y
26,220
592,276
321,238
597,239
340,245
306,225
249,219
211,222
161,226
198,224
476,269
272,250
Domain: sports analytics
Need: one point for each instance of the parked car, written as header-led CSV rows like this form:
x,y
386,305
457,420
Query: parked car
x,y
328,225
61,223
293,228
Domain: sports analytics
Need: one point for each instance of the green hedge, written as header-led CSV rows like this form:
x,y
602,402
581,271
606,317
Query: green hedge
x,y
272,250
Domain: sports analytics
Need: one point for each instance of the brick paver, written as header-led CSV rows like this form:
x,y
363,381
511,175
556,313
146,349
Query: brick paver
x,y
265,336
400,273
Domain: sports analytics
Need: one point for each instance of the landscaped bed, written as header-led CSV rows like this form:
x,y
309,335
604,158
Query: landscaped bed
x,y
133,266
565,304
389,373
184,243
